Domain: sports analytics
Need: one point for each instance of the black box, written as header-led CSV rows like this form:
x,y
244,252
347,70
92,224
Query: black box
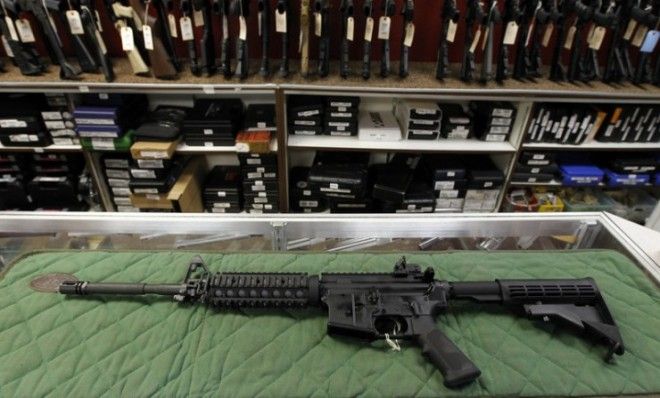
x,y
260,116
391,182
443,167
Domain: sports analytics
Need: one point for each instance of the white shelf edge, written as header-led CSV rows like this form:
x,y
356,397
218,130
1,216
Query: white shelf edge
x,y
50,148
594,145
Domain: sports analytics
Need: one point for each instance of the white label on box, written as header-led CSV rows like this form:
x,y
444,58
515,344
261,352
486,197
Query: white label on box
x,y
122,201
502,112
152,197
121,191
448,193
488,184
110,173
260,200
500,121
118,182
217,210
538,156
222,205
308,203
262,194
51,115
12,123
100,143
259,182
334,185
222,194
258,188
54,124
440,185
254,175
145,190
141,173
154,154
242,147
495,137
535,170
253,161
150,164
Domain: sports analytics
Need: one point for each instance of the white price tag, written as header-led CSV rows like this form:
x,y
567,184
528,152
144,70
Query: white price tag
x,y
126,34
318,24
148,38
25,30
549,28
410,34
384,24
451,31
369,29
198,18
570,35
632,24
280,22
597,38
350,28
12,30
208,89
5,44
242,33
171,20
640,34
475,40
242,147
510,34
186,29
75,23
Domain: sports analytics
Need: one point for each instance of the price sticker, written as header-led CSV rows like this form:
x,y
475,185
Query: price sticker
x,y
5,44
242,147
350,28
318,24
451,31
242,32
75,23
410,34
280,21
25,30
630,29
12,30
570,35
198,18
547,34
475,40
126,34
148,38
640,34
384,24
650,42
186,29
369,29
510,34
171,21
597,38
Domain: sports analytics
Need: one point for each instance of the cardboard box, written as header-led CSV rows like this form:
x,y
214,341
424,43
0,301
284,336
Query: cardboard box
x,y
153,149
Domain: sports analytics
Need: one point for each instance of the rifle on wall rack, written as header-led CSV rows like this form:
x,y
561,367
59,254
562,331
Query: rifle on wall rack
x,y
583,15
162,65
488,26
646,39
510,23
188,36
242,9
384,25
322,31
282,27
368,10
522,64
546,20
618,66
202,17
74,33
449,22
304,37
166,34
90,25
407,34
347,31
263,13
473,17
122,18
222,8
24,55
603,18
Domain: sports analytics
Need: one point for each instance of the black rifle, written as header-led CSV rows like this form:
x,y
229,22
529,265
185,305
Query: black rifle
x,y
512,14
263,8
81,46
36,7
90,24
488,27
346,9
388,11
530,10
407,12
557,69
242,9
603,17
475,14
222,8
583,14
322,7
449,14
166,34
366,50
283,8
187,11
25,55
206,43
650,20
619,66
403,304
546,18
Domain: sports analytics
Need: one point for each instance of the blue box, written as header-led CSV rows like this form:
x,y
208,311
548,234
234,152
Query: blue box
x,y
622,179
657,179
581,175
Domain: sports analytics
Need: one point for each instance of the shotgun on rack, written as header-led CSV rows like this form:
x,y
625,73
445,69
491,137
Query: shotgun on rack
x,y
402,305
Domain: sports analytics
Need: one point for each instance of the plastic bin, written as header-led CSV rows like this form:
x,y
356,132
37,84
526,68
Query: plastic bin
x,y
574,200
549,202
519,201
633,204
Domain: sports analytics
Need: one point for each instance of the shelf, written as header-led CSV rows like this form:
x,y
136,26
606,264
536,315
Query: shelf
x,y
536,184
51,148
559,184
354,144
595,146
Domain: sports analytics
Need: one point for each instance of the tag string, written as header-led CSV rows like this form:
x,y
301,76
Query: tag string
x,y
146,11
70,5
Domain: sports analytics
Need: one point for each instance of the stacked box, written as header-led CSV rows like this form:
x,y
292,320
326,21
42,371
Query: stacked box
x,y
631,123
222,191
305,115
260,183
581,174
376,125
260,117
105,122
400,187
419,120
13,178
484,183
535,167
493,120
54,185
456,123
59,121
116,168
213,122
448,179
341,116
162,124
304,199
342,180
21,123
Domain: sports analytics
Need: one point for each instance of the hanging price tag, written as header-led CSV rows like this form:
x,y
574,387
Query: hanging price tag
x,y
410,34
510,34
570,35
75,24
12,30
350,28
318,24
198,18
98,21
640,34
242,32
475,40
171,21
25,31
99,39
369,29
547,34
280,22
451,31
632,24
186,29
148,38
650,42
597,38
384,24
5,44
126,34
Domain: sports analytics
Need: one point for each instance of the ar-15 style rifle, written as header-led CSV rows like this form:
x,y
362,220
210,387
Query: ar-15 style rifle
x,y
557,70
449,21
583,15
546,20
347,22
90,24
81,47
263,11
23,55
389,7
160,61
475,14
38,9
522,66
187,14
368,36
648,23
124,17
282,9
603,18
403,304
222,9
322,16
511,24
163,7
408,29
206,42
619,66
242,9
493,17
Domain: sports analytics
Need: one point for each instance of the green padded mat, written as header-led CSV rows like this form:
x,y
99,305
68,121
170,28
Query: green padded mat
x,y
142,347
